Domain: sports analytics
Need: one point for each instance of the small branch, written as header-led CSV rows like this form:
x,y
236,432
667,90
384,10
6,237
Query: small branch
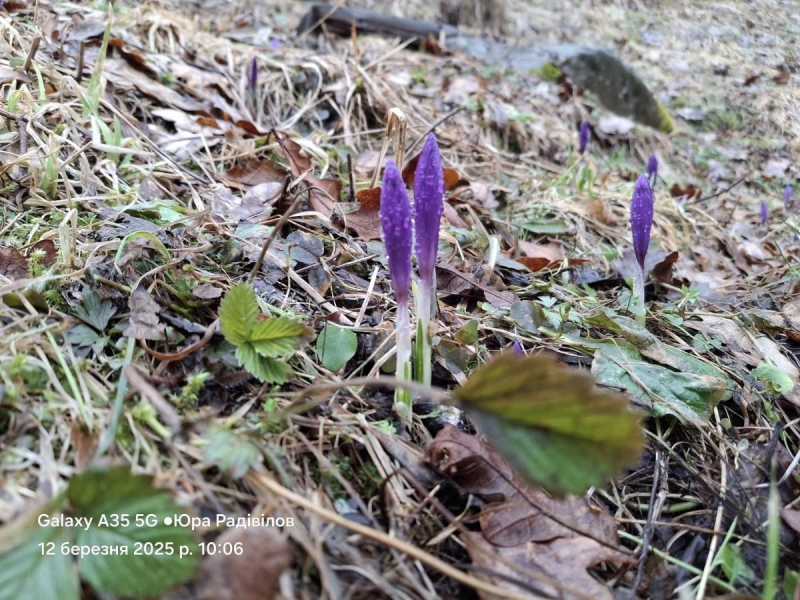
x,y
32,53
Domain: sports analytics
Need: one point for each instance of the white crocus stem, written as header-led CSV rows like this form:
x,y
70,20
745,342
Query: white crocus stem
x,y
424,310
638,295
402,397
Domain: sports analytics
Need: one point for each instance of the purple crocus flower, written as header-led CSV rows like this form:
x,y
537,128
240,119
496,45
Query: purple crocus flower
x,y
395,216
652,169
641,218
787,196
428,207
518,351
764,212
583,137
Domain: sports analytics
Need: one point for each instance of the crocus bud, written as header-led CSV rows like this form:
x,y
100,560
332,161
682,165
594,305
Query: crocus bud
x,y
787,196
428,207
252,78
518,351
652,169
641,218
583,137
764,212
395,216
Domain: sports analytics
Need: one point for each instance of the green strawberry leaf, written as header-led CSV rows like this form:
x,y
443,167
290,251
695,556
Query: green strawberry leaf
x,y
36,568
552,423
268,370
238,313
277,336
130,515
231,451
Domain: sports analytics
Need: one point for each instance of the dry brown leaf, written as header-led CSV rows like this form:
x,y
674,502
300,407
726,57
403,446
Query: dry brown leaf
x,y
553,251
252,575
553,542
323,193
451,177
121,74
517,513
452,217
596,210
206,291
791,311
688,191
459,90
255,206
366,221
452,282
143,323
662,270
13,264
48,247
7,74
256,171
791,517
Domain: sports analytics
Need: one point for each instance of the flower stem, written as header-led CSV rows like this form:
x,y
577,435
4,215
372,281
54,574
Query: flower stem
x,y
638,296
402,397
423,331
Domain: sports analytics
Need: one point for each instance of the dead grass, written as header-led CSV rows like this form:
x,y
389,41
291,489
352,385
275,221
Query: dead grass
x,y
370,522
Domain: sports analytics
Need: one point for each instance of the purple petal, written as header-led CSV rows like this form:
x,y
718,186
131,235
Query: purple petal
x,y
428,207
764,212
583,137
253,76
787,195
641,218
652,167
395,216
518,348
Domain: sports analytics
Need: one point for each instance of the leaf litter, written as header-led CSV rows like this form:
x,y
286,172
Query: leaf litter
x,y
199,158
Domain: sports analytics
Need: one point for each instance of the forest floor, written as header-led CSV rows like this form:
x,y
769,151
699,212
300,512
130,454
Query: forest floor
x,y
134,202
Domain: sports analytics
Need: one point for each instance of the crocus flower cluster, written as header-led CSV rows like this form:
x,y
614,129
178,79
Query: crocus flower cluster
x,y
395,214
583,137
641,223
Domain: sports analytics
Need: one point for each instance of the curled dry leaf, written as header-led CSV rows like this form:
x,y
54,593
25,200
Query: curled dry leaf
x,y
251,575
144,323
452,282
558,539
366,221
48,250
323,193
256,171
13,264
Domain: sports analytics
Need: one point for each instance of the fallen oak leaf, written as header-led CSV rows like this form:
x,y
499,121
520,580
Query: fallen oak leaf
x,y
322,193
525,531
251,574
452,179
450,281
144,322
516,513
13,264
366,221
